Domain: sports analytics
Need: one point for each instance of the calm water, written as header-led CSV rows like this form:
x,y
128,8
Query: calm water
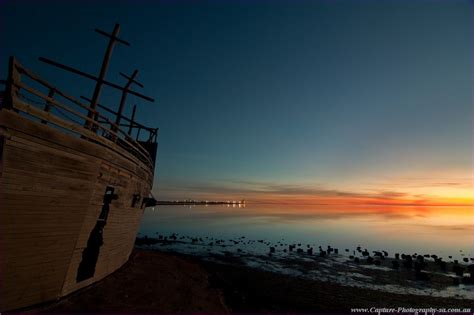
x,y
442,231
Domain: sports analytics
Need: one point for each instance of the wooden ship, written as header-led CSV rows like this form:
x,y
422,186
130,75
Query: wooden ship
x,y
75,177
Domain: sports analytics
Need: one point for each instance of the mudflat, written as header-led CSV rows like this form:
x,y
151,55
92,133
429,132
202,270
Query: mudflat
x,y
151,282
157,282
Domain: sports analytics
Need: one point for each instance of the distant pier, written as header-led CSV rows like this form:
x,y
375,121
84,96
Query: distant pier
x,y
199,202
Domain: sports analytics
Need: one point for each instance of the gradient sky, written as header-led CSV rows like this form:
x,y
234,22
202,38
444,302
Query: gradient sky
x,y
303,101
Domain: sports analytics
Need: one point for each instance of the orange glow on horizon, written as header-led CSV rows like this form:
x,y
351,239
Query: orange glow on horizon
x,y
445,190
365,200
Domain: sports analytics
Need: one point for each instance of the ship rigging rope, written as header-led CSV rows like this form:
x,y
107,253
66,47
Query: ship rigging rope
x,y
62,113
59,110
29,99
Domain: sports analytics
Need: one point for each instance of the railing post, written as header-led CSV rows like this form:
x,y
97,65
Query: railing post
x,y
47,106
10,88
132,120
138,133
123,99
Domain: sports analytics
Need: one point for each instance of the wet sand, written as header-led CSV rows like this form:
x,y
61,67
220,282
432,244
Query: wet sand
x,y
159,282
151,282
251,290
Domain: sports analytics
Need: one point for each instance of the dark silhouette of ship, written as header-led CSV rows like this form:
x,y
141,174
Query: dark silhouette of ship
x,y
75,177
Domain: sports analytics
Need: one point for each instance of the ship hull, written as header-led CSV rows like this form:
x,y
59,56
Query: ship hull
x,y
54,238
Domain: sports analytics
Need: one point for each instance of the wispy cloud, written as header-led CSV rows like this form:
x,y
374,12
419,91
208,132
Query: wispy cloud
x,y
424,182
292,193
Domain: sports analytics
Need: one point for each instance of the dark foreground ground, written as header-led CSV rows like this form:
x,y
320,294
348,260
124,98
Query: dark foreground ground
x,y
154,282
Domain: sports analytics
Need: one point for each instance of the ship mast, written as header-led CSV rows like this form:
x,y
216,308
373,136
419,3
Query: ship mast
x,y
113,38
100,80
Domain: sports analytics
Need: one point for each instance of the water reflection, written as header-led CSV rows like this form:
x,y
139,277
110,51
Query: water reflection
x,y
436,230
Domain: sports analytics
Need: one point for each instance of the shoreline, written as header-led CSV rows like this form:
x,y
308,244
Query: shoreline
x,y
404,273
159,282
248,289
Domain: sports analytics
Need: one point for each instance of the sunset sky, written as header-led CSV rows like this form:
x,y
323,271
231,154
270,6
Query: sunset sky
x,y
319,102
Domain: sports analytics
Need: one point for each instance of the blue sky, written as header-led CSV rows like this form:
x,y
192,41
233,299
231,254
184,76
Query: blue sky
x,y
331,95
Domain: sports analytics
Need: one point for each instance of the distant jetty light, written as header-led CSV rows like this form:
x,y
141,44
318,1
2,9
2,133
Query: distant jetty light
x,y
199,202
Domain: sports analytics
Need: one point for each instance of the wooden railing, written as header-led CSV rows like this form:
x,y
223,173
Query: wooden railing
x,y
25,98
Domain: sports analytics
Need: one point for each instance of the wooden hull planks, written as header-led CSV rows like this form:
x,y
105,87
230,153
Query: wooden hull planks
x,y
51,197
